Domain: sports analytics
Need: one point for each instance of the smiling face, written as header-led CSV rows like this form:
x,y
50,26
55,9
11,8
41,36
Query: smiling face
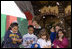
x,y
15,29
43,36
30,30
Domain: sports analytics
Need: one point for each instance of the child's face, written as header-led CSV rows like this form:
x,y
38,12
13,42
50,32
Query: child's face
x,y
15,29
30,30
43,37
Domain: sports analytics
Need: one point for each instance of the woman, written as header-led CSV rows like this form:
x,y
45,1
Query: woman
x,y
61,41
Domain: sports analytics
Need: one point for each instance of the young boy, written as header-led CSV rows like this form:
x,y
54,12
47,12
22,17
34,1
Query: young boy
x,y
29,38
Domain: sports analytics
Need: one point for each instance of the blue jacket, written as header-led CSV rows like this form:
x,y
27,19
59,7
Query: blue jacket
x,y
52,36
8,39
34,45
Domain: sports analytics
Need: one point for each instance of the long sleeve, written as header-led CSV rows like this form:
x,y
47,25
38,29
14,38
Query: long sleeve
x,y
55,44
52,36
28,38
61,44
49,43
24,42
64,43
39,42
7,38
20,37
35,40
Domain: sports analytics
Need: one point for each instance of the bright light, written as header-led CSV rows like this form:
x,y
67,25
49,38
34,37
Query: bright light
x,y
43,16
57,3
10,8
61,22
39,10
49,6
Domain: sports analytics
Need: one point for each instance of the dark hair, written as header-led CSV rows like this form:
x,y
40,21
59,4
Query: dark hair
x,y
62,32
12,25
30,26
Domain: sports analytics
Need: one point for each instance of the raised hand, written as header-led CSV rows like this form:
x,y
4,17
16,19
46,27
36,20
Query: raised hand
x,y
52,29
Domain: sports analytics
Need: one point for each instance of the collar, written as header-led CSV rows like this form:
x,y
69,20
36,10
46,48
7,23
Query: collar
x,y
30,34
12,31
42,39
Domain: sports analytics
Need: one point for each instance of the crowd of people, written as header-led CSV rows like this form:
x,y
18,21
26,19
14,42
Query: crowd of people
x,y
36,37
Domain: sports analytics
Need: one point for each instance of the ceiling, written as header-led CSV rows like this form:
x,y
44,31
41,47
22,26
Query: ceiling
x,y
37,5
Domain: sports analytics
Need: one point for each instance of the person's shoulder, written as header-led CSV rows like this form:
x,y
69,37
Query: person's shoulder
x,y
25,35
34,35
8,31
39,39
65,38
56,40
49,41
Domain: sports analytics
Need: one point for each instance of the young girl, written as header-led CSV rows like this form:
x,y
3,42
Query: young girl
x,y
44,40
12,37
61,41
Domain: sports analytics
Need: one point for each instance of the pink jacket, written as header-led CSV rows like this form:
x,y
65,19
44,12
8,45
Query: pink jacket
x,y
61,44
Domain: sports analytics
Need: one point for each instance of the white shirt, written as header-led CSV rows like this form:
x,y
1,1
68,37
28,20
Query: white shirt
x,y
43,42
29,37
12,31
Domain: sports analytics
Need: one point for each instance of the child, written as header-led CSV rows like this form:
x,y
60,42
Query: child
x,y
12,37
61,41
29,38
44,40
